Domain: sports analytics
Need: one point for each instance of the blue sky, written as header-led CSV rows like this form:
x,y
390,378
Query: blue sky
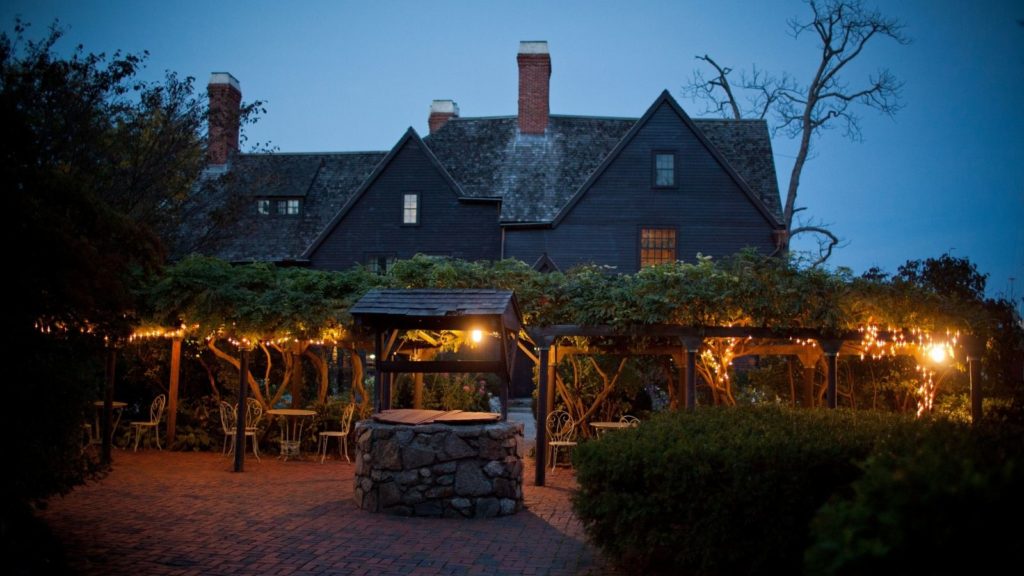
x,y
945,175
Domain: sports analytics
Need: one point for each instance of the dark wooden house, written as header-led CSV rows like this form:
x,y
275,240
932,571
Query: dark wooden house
x,y
551,190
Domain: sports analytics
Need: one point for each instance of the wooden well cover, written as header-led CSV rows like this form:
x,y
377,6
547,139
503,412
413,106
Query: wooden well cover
x,y
412,417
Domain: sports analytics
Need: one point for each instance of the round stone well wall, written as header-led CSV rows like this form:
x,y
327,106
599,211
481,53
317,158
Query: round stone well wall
x,y
450,470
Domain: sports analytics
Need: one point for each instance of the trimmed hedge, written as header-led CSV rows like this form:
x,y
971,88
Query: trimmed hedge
x,y
940,498
721,490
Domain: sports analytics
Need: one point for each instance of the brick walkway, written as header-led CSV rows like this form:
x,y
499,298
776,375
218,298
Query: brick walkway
x,y
187,513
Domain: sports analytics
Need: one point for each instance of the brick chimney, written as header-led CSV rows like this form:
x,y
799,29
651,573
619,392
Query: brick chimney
x,y
534,79
225,106
440,112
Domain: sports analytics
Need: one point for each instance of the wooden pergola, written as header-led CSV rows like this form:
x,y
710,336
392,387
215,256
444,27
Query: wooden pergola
x,y
392,313
684,343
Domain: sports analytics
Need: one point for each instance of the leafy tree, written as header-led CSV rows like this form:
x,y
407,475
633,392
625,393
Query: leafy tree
x,y
828,99
97,165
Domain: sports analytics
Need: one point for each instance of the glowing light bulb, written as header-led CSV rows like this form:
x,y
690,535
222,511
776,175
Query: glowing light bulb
x,y
937,353
476,335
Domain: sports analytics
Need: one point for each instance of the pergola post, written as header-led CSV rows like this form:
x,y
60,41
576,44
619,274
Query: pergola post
x,y
973,349
807,362
831,349
172,400
241,411
692,344
679,358
542,416
106,426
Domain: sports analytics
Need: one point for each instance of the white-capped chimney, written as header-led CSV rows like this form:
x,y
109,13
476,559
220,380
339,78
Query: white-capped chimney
x,y
534,81
441,111
225,95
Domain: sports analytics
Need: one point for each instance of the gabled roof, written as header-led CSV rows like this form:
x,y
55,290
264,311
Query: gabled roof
x,y
352,199
323,182
666,99
536,176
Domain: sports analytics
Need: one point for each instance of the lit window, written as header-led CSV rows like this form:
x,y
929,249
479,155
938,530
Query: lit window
x,y
263,206
657,246
410,209
288,207
664,170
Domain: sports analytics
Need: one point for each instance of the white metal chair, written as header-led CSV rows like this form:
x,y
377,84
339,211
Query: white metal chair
x,y
561,434
342,435
229,423
156,413
633,421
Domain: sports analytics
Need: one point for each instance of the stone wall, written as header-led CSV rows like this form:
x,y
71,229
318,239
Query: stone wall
x,y
472,470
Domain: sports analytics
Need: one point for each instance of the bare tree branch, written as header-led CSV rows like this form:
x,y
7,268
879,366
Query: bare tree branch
x,y
706,90
843,29
826,242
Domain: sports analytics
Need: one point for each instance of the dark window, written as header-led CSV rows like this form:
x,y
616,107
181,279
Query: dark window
x,y
380,262
263,206
411,209
288,207
657,246
664,170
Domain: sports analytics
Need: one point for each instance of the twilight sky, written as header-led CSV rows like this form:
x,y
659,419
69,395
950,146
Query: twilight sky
x,y
945,175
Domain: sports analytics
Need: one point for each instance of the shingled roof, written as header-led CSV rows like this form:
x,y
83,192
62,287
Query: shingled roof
x,y
534,176
323,182
449,308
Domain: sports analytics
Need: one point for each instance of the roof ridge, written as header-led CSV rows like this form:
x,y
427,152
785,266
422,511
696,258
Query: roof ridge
x,y
334,153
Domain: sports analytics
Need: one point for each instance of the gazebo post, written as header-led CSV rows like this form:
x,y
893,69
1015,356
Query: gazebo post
x,y
506,377
378,384
172,400
542,415
240,411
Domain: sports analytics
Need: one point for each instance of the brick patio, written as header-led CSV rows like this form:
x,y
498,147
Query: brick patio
x,y
188,513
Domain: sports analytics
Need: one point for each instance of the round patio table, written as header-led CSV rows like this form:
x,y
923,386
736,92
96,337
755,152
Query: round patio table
x,y
292,420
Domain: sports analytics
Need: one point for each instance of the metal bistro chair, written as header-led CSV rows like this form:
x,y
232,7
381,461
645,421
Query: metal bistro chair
x,y
229,422
342,435
156,413
633,421
561,434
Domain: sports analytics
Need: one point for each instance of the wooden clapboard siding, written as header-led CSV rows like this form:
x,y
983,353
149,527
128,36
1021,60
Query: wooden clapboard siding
x,y
373,223
709,209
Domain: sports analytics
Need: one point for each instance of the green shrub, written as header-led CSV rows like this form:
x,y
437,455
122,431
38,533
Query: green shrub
x,y
719,490
939,498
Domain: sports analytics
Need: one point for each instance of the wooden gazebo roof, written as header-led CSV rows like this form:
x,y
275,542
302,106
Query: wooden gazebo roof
x,y
437,309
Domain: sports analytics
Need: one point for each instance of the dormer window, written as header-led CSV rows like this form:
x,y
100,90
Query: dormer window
x,y
288,207
664,170
279,207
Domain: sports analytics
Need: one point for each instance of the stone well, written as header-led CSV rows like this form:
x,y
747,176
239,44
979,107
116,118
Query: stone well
x,y
450,470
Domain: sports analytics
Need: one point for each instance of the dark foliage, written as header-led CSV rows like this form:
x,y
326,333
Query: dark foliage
x,y
719,491
939,498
